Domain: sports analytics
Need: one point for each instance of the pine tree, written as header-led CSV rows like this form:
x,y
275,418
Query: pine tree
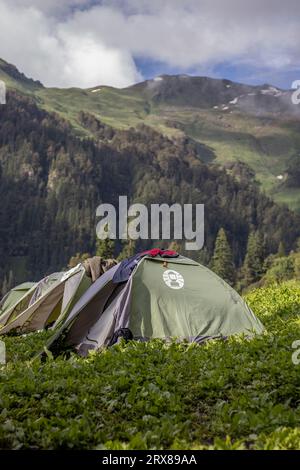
x,y
222,260
129,249
8,284
105,248
4,288
281,250
203,257
254,259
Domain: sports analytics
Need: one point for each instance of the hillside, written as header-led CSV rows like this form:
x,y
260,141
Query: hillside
x,y
64,152
51,183
233,394
257,125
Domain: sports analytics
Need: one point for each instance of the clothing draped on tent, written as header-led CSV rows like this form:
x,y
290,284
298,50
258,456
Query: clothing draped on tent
x,y
96,266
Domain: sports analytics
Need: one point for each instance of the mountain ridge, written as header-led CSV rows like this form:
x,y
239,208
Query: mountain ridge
x,y
257,125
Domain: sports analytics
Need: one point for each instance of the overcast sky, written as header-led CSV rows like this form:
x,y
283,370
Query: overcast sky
x,y
119,42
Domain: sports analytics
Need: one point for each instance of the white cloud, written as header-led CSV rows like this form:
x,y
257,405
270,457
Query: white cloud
x,y
87,43
57,53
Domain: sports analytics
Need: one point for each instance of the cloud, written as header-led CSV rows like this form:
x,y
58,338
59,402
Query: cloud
x,y
57,53
89,42
57,8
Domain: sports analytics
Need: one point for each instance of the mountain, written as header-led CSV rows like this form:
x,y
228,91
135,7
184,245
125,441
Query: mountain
x,y
257,125
15,79
207,93
63,152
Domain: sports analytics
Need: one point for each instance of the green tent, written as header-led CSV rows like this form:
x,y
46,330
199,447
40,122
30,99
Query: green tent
x,y
48,303
15,301
162,298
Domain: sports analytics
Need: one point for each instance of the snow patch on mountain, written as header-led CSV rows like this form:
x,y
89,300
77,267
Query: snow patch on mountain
x,y
272,91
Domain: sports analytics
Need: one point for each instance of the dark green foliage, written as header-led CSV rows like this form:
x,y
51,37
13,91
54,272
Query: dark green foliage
x,y
232,394
254,260
293,172
105,247
281,249
222,260
128,250
7,284
282,268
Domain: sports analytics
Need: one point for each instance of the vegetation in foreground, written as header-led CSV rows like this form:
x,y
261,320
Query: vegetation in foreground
x,y
236,394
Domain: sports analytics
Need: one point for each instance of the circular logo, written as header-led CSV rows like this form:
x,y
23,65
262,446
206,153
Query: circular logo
x,y
173,279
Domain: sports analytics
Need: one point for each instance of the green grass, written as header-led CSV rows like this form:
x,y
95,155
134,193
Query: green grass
x,y
288,196
111,106
236,394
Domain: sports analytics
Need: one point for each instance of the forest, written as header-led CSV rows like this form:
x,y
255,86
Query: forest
x,y
52,180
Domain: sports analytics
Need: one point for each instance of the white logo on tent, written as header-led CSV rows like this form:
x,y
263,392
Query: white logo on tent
x,y
173,279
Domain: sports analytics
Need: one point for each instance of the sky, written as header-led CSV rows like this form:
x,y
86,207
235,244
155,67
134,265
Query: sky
x,y
86,43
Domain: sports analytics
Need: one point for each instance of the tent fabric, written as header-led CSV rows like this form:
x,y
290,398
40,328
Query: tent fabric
x,y
16,301
203,306
25,321
52,299
75,286
174,298
91,301
14,295
44,285
86,317
101,331
126,267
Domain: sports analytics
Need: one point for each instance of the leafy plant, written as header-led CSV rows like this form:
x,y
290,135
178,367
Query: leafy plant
x,y
235,394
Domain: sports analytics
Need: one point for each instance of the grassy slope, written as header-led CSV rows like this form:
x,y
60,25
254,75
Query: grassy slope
x,y
232,395
264,143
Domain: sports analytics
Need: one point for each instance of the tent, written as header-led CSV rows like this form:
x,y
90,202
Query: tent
x,y
15,301
161,298
48,303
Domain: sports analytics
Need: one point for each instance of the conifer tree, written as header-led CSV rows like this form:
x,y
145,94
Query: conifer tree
x,y
105,248
222,260
7,284
254,259
4,288
129,249
281,250
203,257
